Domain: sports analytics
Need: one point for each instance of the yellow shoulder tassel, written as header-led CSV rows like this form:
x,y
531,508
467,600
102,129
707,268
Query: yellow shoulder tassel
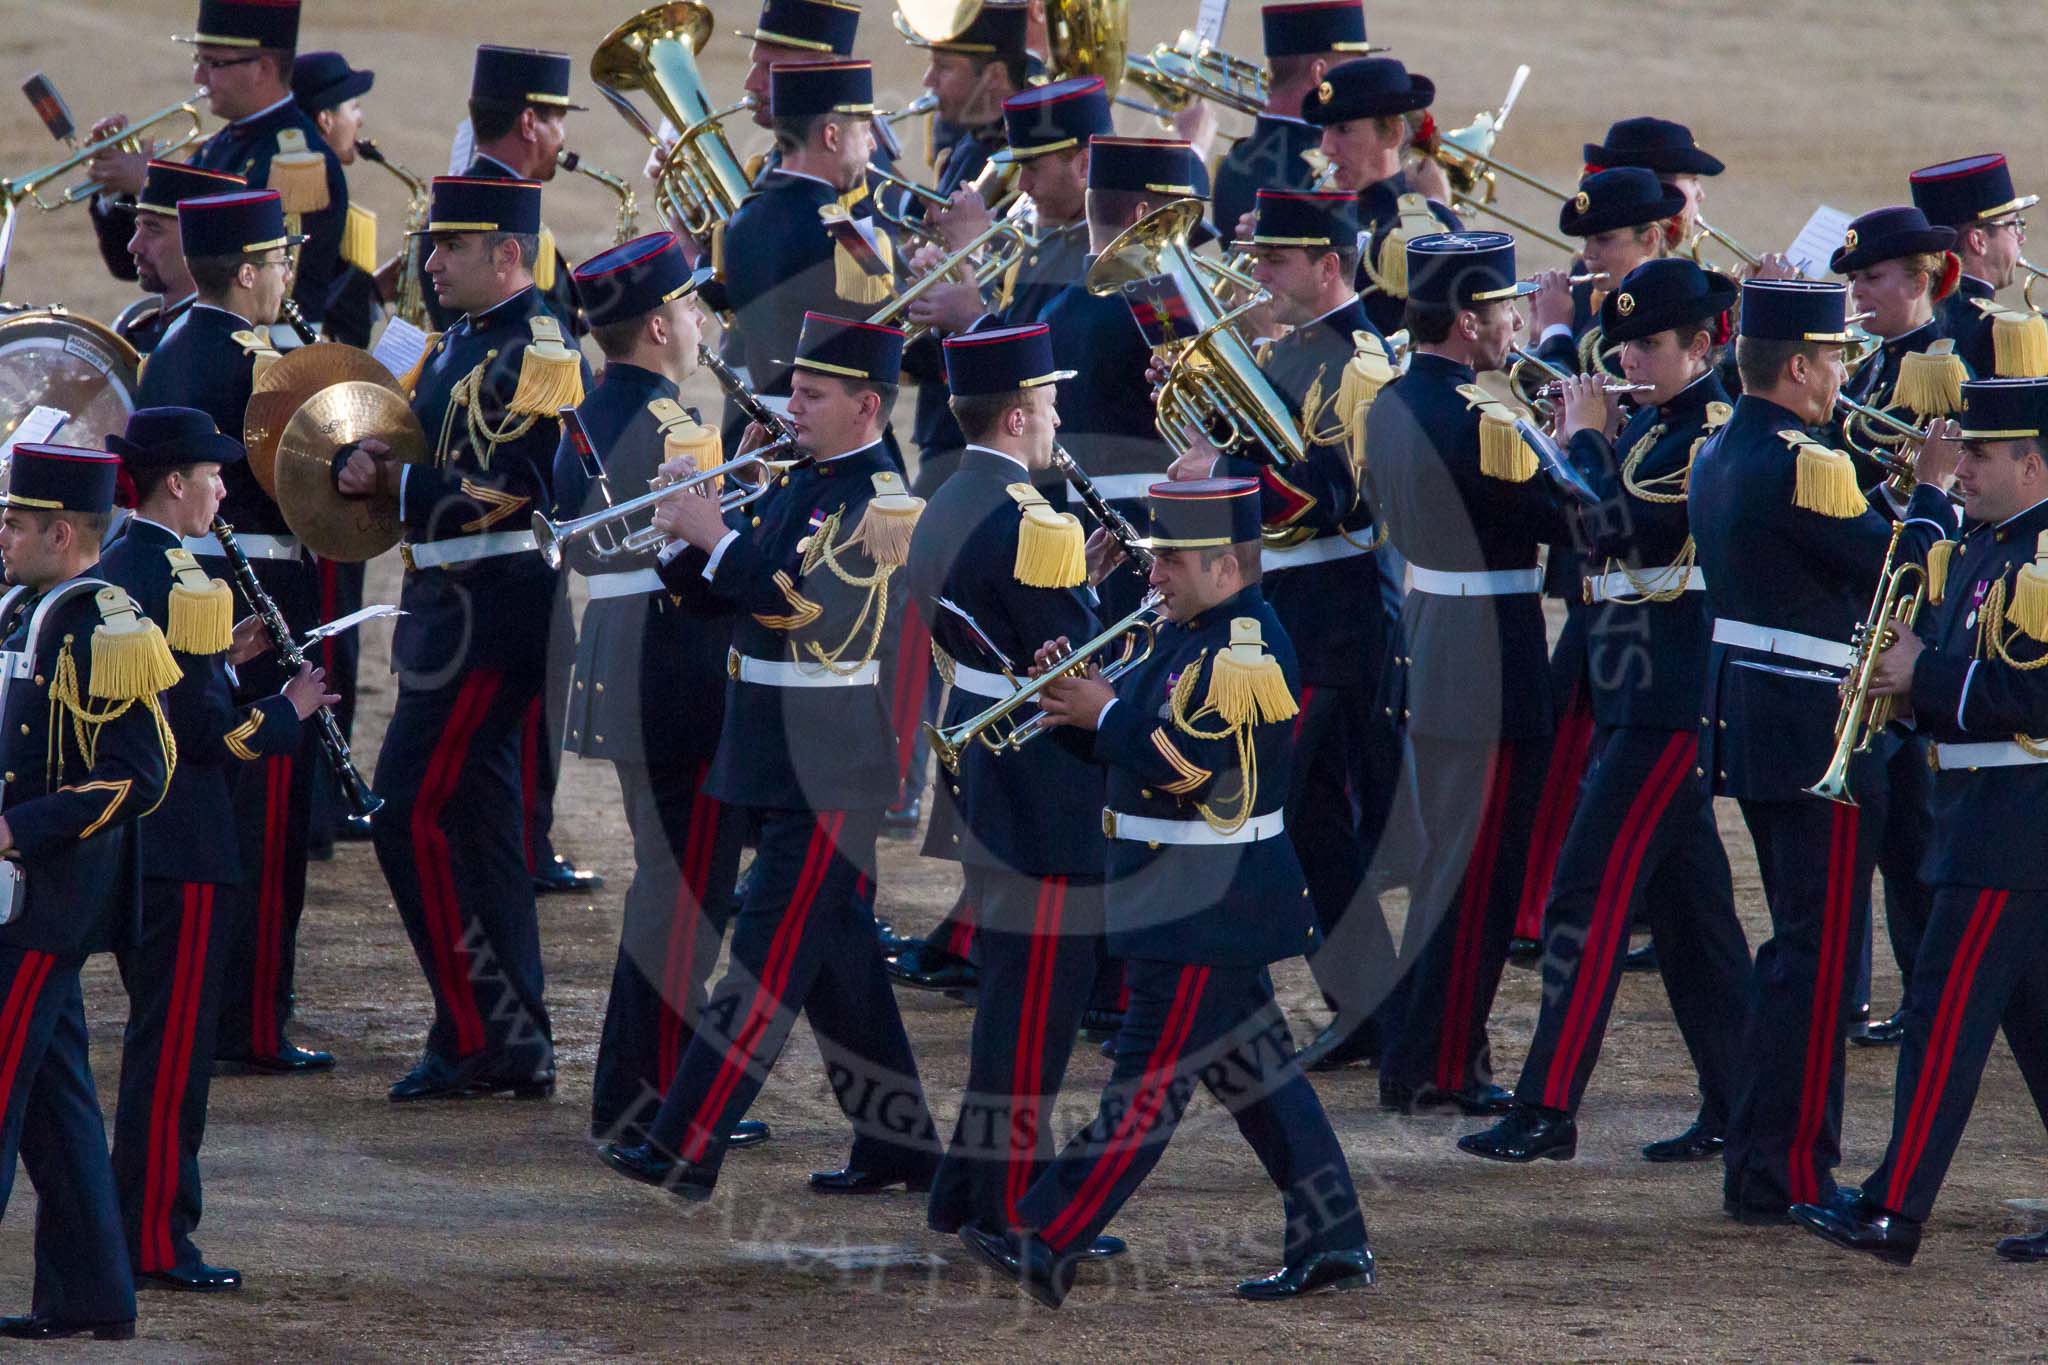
x,y
1939,555
850,279
2029,609
2019,341
410,380
299,175
130,660
202,612
1368,371
751,169
1052,549
1825,481
1245,682
550,373
1930,382
544,261
696,442
1503,454
889,522
359,239
1389,268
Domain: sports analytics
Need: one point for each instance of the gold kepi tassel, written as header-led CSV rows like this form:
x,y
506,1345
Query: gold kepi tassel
x,y
850,279
544,261
359,239
1930,382
298,175
1825,480
130,660
2029,609
1052,549
1938,556
1368,371
202,614
1503,454
2019,341
550,374
1245,682
889,522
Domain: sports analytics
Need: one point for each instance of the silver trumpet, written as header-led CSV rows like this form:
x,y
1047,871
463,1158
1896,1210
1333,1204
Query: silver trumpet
x,y
551,538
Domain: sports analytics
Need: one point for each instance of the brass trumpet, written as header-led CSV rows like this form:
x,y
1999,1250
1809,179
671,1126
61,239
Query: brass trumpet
x,y
551,538
1707,230
997,186
1901,589
998,729
1890,452
1009,229
30,185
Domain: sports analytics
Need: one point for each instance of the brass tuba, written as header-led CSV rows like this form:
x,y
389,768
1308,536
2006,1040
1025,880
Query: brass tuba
x,y
701,181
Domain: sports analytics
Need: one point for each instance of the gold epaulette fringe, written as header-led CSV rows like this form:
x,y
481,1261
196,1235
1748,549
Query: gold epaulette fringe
x,y
130,661
2029,610
1390,263
1246,684
550,373
359,239
2019,341
1367,372
889,522
1052,549
1825,480
544,260
202,609
1503,454
410,380
1930,382
299,175
850,279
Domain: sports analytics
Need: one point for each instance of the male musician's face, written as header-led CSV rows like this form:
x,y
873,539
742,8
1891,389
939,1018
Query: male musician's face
x,y
831,417
27,548
272,280
340,126
1896,298
1496,325
548,132
1293,275
1695,191
238,81
686,333
1818,381
195,497
1057,183
2001,479
1039,418
1365,151
1187,585
1619,250
463,271
158,255
965,88
765,55
849,139
1658,360
1999,261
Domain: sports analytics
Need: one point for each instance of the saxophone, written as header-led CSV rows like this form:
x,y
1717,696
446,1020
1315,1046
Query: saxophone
x,y
410,300
629,211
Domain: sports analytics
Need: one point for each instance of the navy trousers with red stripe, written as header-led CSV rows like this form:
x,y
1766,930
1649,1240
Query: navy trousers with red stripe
x,y
686,850
1041,954
1355,963
448,839
273,812
1815,858
804,941
1218,1026
1571,750
540,742
1985,952
173,974
1908,824
1643,839
50,1118
1477,803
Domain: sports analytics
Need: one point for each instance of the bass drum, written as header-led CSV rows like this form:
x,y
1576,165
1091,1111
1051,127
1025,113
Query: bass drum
x,y
51,357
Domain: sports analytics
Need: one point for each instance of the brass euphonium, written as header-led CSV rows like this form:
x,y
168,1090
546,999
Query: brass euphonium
x,y
701,180
1901,589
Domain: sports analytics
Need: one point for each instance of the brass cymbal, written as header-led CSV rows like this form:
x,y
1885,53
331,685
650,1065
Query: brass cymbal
x,y
347,530
283,389
263,423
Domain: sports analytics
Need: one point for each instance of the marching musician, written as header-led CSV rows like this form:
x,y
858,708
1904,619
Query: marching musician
x,y
174,968
1643,833
87,756
237,248
156,253
1459,495
792,33
1668,149
330,92
640,651
1303,43
242,55
806,751
1975,197
1972,680
1203,894
1791,548
471,650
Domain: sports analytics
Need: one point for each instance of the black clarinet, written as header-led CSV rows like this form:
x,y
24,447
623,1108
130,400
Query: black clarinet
x,y
746,400
307,336
360,798
1116,523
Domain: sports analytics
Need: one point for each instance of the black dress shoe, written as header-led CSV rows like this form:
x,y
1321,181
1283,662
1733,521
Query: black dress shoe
x,y
1100,1026
1324,1270
352,829
288,1060
651,1166
1030,1262
40,1327
747,1133
1336,1048
1885,1032
1694,1144
2032,1247
1525,952
1756,1215
201,1279
848,1180
1856,1223
1526,1134
560,877
1109,1048
435,1078
927,967
1643,959
1476,1101
1105,1248
891,941
901,822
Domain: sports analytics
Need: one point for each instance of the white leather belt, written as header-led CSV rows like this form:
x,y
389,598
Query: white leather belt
x,y
1126,487
1480,583
635,584
433,554
1144,829
2000,753
1607,587
256,547
1770,640
994,686
776,673
1326,550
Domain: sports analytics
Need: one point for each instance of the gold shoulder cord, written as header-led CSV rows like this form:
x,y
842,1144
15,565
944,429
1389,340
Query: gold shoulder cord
x,y
874,612
1318,429
66,701
1652,490
1992,644
1247,752
483,439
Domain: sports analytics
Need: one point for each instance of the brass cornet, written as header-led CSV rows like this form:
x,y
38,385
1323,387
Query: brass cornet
x,y
551,538
1010,230
1901,589
30,185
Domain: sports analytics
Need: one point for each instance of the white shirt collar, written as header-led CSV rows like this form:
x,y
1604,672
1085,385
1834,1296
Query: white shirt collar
x,y
261,113
140,519
806,175
849,454
1002,455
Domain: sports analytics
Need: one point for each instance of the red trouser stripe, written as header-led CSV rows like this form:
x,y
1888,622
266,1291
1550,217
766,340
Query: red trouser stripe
x,y
913,677
1122,1148
14,1018
1941,1043
775,972
1027,1073
1609,927
1308,693
173,1071
1568,752
434,866
268,966
529,783
1475,890
1824,1025
684,925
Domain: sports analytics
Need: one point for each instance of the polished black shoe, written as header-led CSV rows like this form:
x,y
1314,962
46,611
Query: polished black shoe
x,y
1526,1134
560,877
2032,1247
927,967
1885,1032
1855,1223
747,1133
1336,1048
40,1327
891,941
1694,1144
1643,959
1525,952
1324,1270
901,822
1755,1215
434,1078
1105,1248
1100,1026
289,1060
651,1166
201,1279
1109,1048
1478,1101
1030,1262
847,1180
352,829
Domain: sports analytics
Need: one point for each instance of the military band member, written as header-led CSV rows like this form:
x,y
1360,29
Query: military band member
x,y
1203,895
242,55
330,92
237,248
639,653
1643,833
1462,502
173,971
1303,42
1791,549
1665,147
87,757
1975,197
156,254
806,750
792,33
1972,683
470,651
